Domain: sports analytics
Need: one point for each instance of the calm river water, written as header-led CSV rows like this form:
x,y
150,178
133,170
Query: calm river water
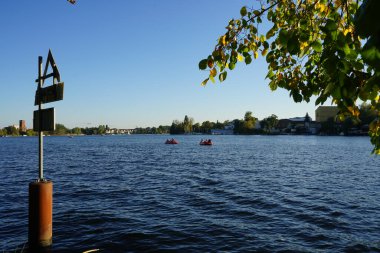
x,y
243,194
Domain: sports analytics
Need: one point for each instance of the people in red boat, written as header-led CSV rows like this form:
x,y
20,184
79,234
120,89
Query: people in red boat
x,y
206,142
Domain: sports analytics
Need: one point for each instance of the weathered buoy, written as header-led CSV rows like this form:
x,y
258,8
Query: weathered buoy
x,y
40,214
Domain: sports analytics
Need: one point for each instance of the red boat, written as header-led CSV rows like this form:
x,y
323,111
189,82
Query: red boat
x,y
206,142
171,141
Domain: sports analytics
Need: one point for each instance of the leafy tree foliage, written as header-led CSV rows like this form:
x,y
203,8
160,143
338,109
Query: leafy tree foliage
x,y
322,48
245,126
269,123
197,128
101,129
177,127
188,124
153,130
60,129
11,130
206,126
30,132
76,130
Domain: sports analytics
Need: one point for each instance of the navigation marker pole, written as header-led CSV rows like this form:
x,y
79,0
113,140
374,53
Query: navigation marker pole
x,y
40,233
40,133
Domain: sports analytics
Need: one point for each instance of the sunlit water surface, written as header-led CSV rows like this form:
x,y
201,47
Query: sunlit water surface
x,y
243,194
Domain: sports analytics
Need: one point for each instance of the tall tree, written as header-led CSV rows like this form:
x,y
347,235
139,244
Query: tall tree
x,y
11,130
207,126
197,128
101,129
177,127
314,47
269,123
188,124
60,129
249,123
76,130
30,132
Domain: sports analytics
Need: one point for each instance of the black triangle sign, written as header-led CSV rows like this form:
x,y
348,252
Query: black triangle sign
x,y
55,74
50,60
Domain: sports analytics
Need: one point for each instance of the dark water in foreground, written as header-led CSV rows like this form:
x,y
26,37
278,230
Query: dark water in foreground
x,y
243,194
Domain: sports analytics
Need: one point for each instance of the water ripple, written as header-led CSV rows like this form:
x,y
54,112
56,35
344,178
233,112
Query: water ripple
x,y
243,194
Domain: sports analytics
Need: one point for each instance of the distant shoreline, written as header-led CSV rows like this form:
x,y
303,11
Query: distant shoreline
x,y
200,134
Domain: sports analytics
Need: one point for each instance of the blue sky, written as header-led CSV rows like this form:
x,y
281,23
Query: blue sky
x,y
129,63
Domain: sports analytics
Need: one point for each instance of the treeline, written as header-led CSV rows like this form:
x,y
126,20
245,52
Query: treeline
x,y
60,129
239,126
13,131
188,126
248,125
152,130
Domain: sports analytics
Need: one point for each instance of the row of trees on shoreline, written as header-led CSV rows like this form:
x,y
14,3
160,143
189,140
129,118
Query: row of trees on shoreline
x,y
252,125
60,129
248,125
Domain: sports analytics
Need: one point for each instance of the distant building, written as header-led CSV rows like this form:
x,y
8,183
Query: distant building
x,y
228,129
257,124
124,131
22,126
302,125
323,113
283,124
118,131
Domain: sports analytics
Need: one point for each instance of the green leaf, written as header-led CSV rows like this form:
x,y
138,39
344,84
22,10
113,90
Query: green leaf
x,y
222,76
320,100
330,26
329,89
270,57
283,37
248,59
243,11
371,54
273,85
256,12
231,65
317,46
350,54
297,97
270,74
234,45
244,23
293,45
203,64
367,18
337,94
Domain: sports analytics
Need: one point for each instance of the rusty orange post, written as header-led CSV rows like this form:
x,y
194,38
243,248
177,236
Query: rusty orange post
x,y
40,214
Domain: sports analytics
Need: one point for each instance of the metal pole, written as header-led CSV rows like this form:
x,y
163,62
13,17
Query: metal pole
x,y
40,133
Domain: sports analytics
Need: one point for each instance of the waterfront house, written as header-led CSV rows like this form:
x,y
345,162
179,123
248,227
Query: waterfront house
x,y
228,129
